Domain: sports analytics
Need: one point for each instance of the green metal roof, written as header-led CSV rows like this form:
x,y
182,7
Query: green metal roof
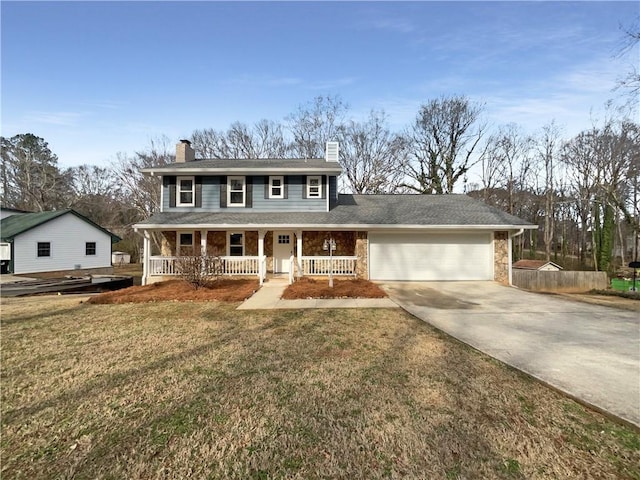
x,y
15,225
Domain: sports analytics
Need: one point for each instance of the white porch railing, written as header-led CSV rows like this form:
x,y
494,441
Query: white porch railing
x,y
240,265
230,265
162,266
321,265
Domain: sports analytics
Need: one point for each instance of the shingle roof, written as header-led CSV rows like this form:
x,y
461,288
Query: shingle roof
x,y
361,210
249,165
527,264
14,225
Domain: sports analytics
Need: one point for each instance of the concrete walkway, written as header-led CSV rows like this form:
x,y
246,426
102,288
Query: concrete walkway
x,y
268,297
590,352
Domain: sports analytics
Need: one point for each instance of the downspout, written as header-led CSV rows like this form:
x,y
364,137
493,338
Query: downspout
x,y
510,247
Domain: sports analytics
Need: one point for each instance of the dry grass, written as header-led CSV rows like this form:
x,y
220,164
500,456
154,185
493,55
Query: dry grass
x,y
223,290
606,300
352,288
200,390
133,269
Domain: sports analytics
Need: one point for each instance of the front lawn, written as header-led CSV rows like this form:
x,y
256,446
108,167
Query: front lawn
x,y
201,390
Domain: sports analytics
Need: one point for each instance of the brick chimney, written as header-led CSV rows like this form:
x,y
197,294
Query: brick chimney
x,y
184,152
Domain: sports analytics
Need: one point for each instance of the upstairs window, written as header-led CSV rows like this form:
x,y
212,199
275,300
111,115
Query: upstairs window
x,y
185,192
44,249
276,187
314,186
236,189
90,248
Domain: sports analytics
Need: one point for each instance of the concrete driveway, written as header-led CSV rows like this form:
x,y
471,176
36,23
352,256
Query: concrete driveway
x,y
588,351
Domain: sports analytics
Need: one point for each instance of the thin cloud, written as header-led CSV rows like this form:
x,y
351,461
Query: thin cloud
x,y
332,83
398,25
263,81
106,105
67,119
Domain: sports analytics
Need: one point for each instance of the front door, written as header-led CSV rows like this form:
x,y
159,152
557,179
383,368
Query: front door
x,y
282,251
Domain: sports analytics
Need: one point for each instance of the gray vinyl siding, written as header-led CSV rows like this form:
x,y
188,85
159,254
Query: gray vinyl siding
x,y
68,236
333,192
210,197
293,203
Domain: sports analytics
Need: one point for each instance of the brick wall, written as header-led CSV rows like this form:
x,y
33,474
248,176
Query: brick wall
x,y
501,258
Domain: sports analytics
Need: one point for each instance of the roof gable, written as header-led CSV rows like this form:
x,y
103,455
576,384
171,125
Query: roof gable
x,y
528,264
15,225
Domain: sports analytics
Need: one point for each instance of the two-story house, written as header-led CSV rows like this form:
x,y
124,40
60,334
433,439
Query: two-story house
x,y
275,216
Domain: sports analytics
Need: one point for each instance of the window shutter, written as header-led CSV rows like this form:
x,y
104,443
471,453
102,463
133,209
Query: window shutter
x,y
223,192
304,186
285,187
170,182
198,191
248,188
267,187
325,186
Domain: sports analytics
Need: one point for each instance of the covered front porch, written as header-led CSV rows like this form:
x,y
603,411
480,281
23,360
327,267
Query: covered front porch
x,y
287,253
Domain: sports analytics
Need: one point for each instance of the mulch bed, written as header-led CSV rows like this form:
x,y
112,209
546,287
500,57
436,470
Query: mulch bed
x,y
223,290
310,288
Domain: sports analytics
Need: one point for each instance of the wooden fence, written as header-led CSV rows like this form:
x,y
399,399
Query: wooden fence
x,y
573,281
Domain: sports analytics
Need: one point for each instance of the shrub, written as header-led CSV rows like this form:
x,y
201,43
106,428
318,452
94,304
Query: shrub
x,y
199,270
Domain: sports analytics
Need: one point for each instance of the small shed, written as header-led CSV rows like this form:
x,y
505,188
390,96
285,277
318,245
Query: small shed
x,y
540,265
62,241
120,258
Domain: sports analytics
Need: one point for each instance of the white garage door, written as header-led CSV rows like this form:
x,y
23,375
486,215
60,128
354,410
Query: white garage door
x,y
421,256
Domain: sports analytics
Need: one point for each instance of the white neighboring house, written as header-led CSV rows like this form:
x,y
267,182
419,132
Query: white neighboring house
x,y
60,241
7,212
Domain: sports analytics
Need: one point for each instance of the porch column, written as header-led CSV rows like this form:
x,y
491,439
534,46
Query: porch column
x,y
510,255
146,252
299,250
261,266
203,252
203,242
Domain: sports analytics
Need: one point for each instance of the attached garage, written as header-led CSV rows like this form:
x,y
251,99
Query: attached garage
x,y
430,256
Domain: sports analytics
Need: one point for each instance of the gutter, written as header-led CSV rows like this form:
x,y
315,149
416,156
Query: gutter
x,y
239,171
326,227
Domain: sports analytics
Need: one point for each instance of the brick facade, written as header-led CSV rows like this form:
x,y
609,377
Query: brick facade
x,y
501,258
362,252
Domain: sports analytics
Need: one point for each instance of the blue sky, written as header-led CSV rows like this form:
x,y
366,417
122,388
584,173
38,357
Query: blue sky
x,y
97,78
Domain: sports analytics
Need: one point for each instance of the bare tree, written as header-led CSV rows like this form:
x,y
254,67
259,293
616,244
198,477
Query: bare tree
x,y
31,179
602,164
142,192
98,195
372,157
209,143
630,83
315,123
264,140
578,156
548,144
444,137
